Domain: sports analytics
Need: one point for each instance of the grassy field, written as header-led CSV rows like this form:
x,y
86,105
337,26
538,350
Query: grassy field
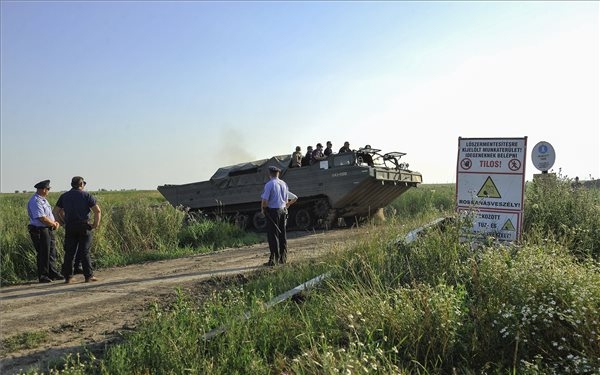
x,y
434,306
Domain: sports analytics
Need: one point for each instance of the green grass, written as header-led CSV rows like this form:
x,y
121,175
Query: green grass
x,y
27,340
136,226
422,200
388,309
553,209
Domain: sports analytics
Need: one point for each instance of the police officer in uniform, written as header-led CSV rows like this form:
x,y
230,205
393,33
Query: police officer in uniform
x,y
275,200
41,230
73,209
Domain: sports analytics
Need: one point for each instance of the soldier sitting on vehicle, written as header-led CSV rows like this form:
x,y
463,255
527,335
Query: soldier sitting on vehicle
x,y
306,160
296,158
328,151
317,154
364,155
345,147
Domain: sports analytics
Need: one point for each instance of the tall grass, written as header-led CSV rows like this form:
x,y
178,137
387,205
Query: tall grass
x,y
555,209
425,199
135,231
136,226
17,255
496,311
537,307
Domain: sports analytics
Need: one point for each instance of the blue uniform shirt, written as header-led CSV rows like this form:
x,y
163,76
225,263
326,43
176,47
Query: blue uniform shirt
x,y
275,193
76,204
37,207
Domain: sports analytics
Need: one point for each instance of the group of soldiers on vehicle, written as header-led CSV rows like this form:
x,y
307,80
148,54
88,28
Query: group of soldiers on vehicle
x,y
315,155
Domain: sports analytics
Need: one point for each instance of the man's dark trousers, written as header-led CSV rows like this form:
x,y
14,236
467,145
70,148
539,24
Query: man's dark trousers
x,y
276,234
78,239
45,246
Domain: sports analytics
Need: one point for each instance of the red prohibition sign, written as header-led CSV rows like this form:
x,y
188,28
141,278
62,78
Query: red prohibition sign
x,y
514,164
466,163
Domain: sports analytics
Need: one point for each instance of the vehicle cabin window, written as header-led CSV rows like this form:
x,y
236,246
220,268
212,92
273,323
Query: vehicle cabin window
x,y
241,172
343,159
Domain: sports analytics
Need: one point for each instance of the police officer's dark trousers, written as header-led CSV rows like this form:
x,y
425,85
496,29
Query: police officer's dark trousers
x,y
45,246
78,239
276,234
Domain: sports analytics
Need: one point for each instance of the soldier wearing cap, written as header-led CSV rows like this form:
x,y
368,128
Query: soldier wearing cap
x,y
73,209
41,230
275,200
317,154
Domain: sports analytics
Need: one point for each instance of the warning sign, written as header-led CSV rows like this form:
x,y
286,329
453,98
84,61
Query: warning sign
x,y
484,191
508,226
484,224
492,155
490,181
489,190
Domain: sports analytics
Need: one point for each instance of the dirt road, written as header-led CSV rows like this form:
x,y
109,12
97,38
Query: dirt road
x,y
95,314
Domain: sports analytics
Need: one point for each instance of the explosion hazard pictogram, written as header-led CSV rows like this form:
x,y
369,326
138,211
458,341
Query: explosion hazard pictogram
x,y
508,225
489,190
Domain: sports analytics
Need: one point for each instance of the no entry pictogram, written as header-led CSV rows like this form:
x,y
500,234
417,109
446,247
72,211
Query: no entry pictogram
x,y
514,164
466,164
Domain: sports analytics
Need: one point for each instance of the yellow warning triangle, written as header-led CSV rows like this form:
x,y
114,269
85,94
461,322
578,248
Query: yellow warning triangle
x,y
508,226
488,190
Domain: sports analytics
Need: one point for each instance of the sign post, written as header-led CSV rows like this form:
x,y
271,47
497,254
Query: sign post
x,y
543,156
490,182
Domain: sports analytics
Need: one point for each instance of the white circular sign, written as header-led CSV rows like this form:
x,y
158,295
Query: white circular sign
x,y
543,156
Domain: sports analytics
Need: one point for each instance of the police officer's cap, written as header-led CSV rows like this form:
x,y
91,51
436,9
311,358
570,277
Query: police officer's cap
x,y
42,185
273,168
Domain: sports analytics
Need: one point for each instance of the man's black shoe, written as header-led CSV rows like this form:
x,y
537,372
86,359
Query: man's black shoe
x,y
45,279
57,276
269,264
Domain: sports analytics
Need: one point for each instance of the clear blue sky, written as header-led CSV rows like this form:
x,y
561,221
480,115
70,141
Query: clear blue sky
x,y
139,94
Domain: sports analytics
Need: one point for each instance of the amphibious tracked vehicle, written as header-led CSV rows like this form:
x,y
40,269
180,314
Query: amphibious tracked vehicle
x,y
342,189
